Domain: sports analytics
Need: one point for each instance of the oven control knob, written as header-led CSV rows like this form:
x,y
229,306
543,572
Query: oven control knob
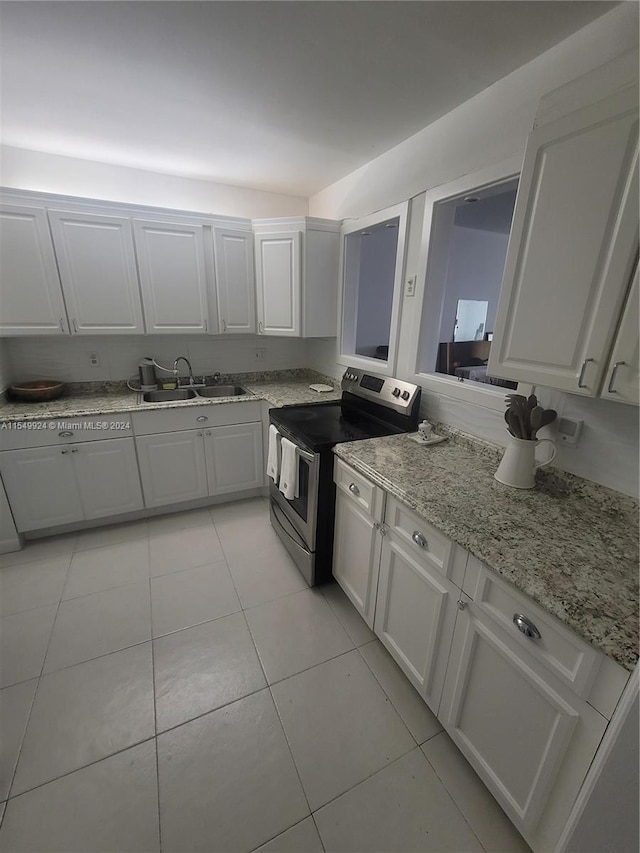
x,y
405,395
396,392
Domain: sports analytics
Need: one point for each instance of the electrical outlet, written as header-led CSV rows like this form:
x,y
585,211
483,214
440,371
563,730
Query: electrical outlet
x,y
569,430
410,288
94,359
260,354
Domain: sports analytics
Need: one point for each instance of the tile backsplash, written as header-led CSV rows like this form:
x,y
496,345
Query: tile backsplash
x,y
69,359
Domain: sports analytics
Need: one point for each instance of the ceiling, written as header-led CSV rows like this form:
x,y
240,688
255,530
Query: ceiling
x,y
280,96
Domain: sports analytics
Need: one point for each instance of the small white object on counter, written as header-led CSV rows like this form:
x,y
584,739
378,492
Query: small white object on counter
x,y
319,387
426,435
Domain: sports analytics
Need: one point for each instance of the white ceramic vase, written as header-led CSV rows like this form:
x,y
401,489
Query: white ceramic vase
x,y
518,466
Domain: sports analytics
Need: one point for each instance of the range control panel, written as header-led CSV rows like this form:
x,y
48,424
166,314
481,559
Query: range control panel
x,y
386,390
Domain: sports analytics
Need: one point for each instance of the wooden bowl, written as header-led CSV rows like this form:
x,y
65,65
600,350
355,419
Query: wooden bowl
x,y
37,392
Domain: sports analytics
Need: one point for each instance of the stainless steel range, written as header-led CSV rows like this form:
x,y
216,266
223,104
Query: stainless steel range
x,y
370,406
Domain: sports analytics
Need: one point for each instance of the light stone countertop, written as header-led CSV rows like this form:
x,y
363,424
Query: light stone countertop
x,y
569,544
105,398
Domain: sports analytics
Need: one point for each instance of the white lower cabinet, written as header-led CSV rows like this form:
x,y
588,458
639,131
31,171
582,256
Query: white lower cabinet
x,y
172,467
529,738
356,555
190,464
521,708
50,486
415,616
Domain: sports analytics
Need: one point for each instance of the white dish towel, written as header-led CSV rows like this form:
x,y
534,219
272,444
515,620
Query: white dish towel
x,y
289,470
273,459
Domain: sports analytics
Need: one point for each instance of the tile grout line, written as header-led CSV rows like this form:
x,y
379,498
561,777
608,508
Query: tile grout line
x,y
35,693
155,710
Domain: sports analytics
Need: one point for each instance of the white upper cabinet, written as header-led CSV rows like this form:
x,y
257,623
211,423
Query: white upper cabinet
x,y
235,280
622,381
31,300
173,277
98,270
572,247
297,276
278,281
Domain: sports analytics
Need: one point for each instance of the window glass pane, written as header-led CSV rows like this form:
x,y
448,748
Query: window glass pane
x,y
369,268
469,245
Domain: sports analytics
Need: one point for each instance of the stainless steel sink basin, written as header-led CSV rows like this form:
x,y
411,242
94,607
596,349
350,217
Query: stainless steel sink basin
x,y
222,391
167,396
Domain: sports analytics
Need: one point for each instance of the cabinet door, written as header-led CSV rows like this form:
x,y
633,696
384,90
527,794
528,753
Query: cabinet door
x,y
622,381
571,249
30,296
234,458
279,283
98,271
235,280
172,467
107,477
415,617
172,276
41,487
516,725
356,555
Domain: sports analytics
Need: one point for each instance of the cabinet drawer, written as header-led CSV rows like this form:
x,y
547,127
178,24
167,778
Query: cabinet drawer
x,y
368,497
420,537
195,417
562,652
42,433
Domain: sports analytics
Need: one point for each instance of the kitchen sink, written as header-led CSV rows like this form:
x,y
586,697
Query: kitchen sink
x,y
222,391
166,396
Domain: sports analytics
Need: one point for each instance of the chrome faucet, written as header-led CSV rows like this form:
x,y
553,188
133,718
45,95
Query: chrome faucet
x,y
188,363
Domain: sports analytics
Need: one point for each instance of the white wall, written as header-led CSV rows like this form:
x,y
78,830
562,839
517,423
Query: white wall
x,y
67,359
485,130
6,376
476,264
52,173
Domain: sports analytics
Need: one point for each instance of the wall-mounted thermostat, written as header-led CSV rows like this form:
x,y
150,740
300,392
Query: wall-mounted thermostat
x,y
569,431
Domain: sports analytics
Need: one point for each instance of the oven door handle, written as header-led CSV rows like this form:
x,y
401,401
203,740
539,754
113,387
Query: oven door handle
x,y
308,457
284,523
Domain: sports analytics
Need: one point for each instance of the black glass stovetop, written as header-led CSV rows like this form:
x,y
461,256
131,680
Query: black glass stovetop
x,y
321,425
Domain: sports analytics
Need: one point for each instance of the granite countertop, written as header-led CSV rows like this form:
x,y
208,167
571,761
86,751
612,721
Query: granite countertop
x,y
102,398
569,544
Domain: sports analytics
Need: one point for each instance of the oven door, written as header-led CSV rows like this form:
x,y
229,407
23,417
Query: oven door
x,y
301,511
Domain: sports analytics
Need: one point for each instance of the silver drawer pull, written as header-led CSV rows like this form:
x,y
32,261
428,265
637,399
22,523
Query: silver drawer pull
x,y
419,539
354,489
202,418
526,626
376,525
66,434
74,450
64,451
610,387
461,604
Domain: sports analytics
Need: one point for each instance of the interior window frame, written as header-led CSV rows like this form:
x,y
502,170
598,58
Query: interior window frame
x,y
346,359
491,397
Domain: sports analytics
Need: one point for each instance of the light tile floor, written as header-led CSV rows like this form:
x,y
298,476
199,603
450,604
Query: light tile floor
x,y
174,685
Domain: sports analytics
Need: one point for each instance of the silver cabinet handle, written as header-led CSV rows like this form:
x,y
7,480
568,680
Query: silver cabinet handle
x,y
610,387
224,325
383,530
376,525
199,433
461,604
66,434
74,449
260,327
64,451
419,539
581,382
354,489
526,626
202,418
75,325
62,329
206,326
